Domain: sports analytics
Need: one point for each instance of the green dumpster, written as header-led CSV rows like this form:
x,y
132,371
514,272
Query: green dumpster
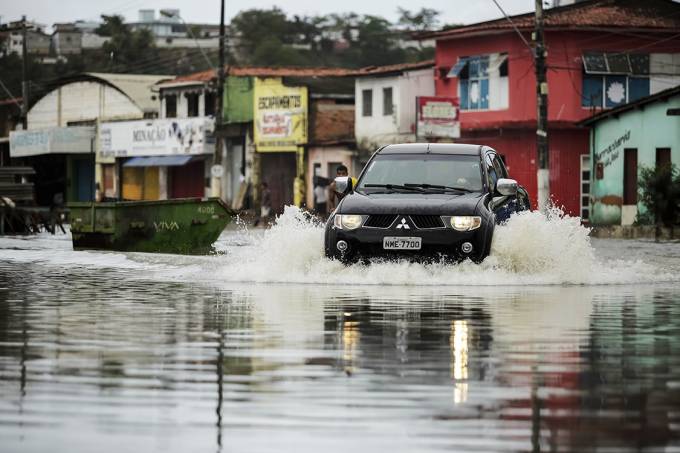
x,y
185,225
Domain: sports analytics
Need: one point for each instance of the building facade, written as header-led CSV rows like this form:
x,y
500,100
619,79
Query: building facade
x,y
331,142
591,67
38,43
645,133
61,141
67,39
386,102
267,116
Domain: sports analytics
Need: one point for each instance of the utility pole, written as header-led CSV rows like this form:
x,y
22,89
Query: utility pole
x,y
24,73
219,141
543,172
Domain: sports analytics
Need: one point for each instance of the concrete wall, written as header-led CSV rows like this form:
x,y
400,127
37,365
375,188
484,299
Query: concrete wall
x,y
645,129
411,85
81,101
182,103
379,129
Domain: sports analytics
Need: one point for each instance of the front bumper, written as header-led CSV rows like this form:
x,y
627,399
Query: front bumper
x,y
437,243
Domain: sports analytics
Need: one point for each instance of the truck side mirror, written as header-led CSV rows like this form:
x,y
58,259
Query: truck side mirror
x,y
507,187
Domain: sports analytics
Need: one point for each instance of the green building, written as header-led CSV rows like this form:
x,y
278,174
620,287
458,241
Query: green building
x,y
622,140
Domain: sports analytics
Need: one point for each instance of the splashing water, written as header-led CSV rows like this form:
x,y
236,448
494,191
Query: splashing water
x,y
531,248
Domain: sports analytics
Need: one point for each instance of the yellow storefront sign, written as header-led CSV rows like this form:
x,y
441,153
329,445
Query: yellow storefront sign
x,y
280,116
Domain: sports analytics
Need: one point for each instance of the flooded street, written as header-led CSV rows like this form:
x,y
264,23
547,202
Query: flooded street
x,y
555,343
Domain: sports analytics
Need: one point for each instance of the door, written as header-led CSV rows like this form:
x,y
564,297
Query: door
x,y
188,180
663,157
630,183
151,189
109,177
133,183
630,176
278,171
84,177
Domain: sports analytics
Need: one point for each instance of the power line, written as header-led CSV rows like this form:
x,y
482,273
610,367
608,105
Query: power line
x,y
9,93
519,33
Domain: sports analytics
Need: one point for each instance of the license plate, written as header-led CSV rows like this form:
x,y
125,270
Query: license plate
x,y
402,243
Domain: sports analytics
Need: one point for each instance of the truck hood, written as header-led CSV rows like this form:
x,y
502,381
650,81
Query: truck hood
x,y
410,203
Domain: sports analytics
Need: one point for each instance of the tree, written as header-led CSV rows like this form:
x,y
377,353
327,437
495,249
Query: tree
x,y
253,25
425,19
128,50
377,43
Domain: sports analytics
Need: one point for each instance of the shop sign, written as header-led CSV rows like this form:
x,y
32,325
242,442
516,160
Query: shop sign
x,y
280,116
54,140
159,137
437,117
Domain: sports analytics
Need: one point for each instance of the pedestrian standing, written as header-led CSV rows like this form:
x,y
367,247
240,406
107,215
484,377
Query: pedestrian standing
x,y
335,197
265,205
320,200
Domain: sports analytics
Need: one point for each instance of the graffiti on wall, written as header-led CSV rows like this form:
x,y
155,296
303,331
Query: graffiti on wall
x,y
612,152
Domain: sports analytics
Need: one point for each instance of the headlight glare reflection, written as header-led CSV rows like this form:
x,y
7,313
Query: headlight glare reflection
x,y
348,221
465,223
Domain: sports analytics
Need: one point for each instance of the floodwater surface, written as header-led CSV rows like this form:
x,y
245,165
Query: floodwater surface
x,y
554,343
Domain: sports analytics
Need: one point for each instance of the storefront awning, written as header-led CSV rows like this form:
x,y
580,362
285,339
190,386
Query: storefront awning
x,y
458,67
158,161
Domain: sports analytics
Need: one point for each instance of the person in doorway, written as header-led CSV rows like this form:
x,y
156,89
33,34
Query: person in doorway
x,y
335,197
265,205
320,200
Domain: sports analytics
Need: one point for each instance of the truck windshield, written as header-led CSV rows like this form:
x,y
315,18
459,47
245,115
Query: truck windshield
x,y
422,169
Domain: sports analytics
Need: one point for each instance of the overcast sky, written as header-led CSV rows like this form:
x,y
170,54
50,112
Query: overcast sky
x,y
453,11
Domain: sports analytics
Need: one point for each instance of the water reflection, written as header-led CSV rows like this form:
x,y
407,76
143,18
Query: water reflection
x,y
110,362
459,360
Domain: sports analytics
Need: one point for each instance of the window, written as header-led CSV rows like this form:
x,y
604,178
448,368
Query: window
x,y
499,166
612,79
615,63
171,106
483,81
367,102
492,175
474,84
585,187
612,90
436,169
630,176
388,107
209,108
192,104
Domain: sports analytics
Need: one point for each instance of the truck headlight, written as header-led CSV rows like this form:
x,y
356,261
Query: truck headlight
x,y
348,221
465,222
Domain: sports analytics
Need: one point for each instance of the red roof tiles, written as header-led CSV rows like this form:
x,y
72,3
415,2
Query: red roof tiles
x,y
374,70
651,15
251,71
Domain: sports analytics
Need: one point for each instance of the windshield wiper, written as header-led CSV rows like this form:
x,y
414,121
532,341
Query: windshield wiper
x,y
396,186
438,187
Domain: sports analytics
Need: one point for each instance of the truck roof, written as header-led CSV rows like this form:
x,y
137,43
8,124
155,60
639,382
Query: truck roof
x,y
431,148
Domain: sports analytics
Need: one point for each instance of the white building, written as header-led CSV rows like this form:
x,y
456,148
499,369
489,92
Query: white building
x,y
385,99
63,128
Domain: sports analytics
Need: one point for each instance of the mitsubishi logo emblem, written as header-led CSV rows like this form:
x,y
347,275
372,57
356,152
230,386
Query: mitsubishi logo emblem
x,y
403,224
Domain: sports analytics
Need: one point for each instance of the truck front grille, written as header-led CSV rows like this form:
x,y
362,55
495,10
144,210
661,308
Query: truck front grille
x,y
427,221
380,220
